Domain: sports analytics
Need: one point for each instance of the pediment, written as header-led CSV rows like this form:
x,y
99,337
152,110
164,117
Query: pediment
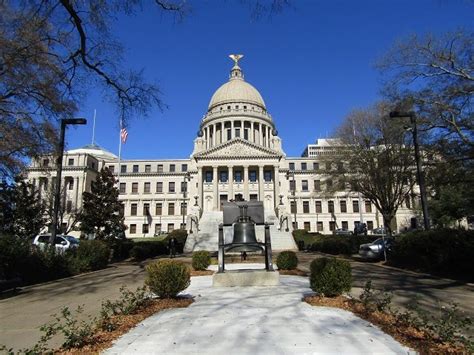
x,y
238,148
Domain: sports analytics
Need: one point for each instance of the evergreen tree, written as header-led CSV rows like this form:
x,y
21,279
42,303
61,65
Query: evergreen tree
x,y
6,208
101,212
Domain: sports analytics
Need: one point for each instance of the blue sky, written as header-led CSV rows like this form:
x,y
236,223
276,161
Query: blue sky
x,y
312,63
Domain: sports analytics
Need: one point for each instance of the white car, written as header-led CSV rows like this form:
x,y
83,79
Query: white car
x,y
61,243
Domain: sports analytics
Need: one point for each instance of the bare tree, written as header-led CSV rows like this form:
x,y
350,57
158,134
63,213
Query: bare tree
x,y
373,154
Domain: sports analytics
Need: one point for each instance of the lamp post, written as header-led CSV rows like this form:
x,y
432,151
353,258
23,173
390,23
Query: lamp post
x,y
419,172
59,168
186,178
293,190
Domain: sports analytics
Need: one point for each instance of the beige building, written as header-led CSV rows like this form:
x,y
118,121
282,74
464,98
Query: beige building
x,y
237,155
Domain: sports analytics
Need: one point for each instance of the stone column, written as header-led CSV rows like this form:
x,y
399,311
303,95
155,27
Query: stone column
x,y
76,187
215,185
252,132
260,134
231,182
200,190
214,136
246,182
260,183
276,186
232,133
268,136
207,137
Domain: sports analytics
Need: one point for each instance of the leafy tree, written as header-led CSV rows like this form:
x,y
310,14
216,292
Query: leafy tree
x,y
374,156
22,210
102,211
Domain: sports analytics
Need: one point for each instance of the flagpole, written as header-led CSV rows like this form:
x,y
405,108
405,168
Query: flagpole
x,y
119,153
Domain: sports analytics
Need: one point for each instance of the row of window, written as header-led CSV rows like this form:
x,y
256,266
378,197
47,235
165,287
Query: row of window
x,y
147,168
132,229
330,207
158,187
158,209
238,176
332,225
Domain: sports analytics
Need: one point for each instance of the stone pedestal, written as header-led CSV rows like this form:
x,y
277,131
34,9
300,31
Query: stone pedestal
x,y
233,278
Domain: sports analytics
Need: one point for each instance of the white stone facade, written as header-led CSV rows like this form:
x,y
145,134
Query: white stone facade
x,y
237,155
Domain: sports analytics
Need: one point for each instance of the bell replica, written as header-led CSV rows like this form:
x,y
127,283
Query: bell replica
x,y
244,233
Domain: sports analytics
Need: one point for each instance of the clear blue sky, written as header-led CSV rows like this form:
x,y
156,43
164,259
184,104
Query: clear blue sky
x,y
312,63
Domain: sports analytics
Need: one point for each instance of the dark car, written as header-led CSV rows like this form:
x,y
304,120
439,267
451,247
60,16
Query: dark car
x,y
375,250
360,229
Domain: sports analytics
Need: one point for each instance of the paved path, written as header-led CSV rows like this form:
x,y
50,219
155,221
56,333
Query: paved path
x,y
254,320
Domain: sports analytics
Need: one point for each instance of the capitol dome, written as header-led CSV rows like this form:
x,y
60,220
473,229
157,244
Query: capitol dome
x,y
236,90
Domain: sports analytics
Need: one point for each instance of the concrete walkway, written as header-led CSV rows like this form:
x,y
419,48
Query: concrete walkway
x,y
254,320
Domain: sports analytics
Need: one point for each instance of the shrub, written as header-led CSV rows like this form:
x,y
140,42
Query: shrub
x,y
120,248
287,260
181,235
201,260
139,252
13,253
144,249
92,255
166,278
330,277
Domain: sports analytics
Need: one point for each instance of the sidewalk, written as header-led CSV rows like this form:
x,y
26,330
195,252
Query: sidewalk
x,y
254,320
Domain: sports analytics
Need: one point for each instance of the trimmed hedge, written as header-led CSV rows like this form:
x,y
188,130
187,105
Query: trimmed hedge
x,y
287,260
201,260
92,255
340,245
181,235
144,249
445,252
330,277
167,278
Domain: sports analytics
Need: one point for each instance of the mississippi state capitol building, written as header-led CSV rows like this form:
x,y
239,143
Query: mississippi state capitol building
x,y
237,155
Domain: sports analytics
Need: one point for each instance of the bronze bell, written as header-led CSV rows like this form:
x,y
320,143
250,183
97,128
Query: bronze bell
x,y
244,238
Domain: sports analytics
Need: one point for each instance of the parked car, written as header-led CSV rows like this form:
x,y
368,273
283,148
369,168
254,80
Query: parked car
x,y
375,249
342,231
379,231
360,229
61,243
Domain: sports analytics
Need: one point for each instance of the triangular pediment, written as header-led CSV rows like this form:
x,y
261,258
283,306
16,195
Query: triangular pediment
x,y
238,148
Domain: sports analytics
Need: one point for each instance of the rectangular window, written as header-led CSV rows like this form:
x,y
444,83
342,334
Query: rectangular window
x,y
292,185
370,225
159,168
295,225
223,176
123,169
305,206
343,207
307,226
134,187
68,206
368,207
157,228
170,227
45,163
293,207
171,209
291,166
246,134
133,209
355,206
145,228
147,168
172,168
184,186
315,166
146,209
304,185
184,209
171,187
267,175
159,209
208,176
317,185
304,166
146,188
159,187
319,207
229,135
112,168
184,168
253,175
70,185
133,228
237,132
331,206
253,197
345,225
238,176
123,187
70,162
319,226
332,226
135,168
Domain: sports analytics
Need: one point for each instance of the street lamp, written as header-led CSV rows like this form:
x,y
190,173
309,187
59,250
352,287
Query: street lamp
x,y
293,190
419,172
186,178
59,167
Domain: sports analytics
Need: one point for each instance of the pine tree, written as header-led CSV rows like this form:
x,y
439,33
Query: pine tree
x,y
101,212
6,208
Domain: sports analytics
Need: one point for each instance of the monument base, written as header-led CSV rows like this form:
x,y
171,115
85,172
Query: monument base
x,y
233,278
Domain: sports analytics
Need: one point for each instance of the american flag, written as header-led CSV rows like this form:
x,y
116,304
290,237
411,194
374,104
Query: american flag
x,y
123,135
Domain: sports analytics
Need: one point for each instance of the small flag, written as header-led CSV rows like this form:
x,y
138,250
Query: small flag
x,y
123,135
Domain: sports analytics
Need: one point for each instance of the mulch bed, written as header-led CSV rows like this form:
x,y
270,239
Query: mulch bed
x,y
201,273
407,334
103,339
296,272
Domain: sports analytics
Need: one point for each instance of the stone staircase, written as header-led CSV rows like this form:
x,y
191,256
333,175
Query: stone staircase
x,y
281,240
